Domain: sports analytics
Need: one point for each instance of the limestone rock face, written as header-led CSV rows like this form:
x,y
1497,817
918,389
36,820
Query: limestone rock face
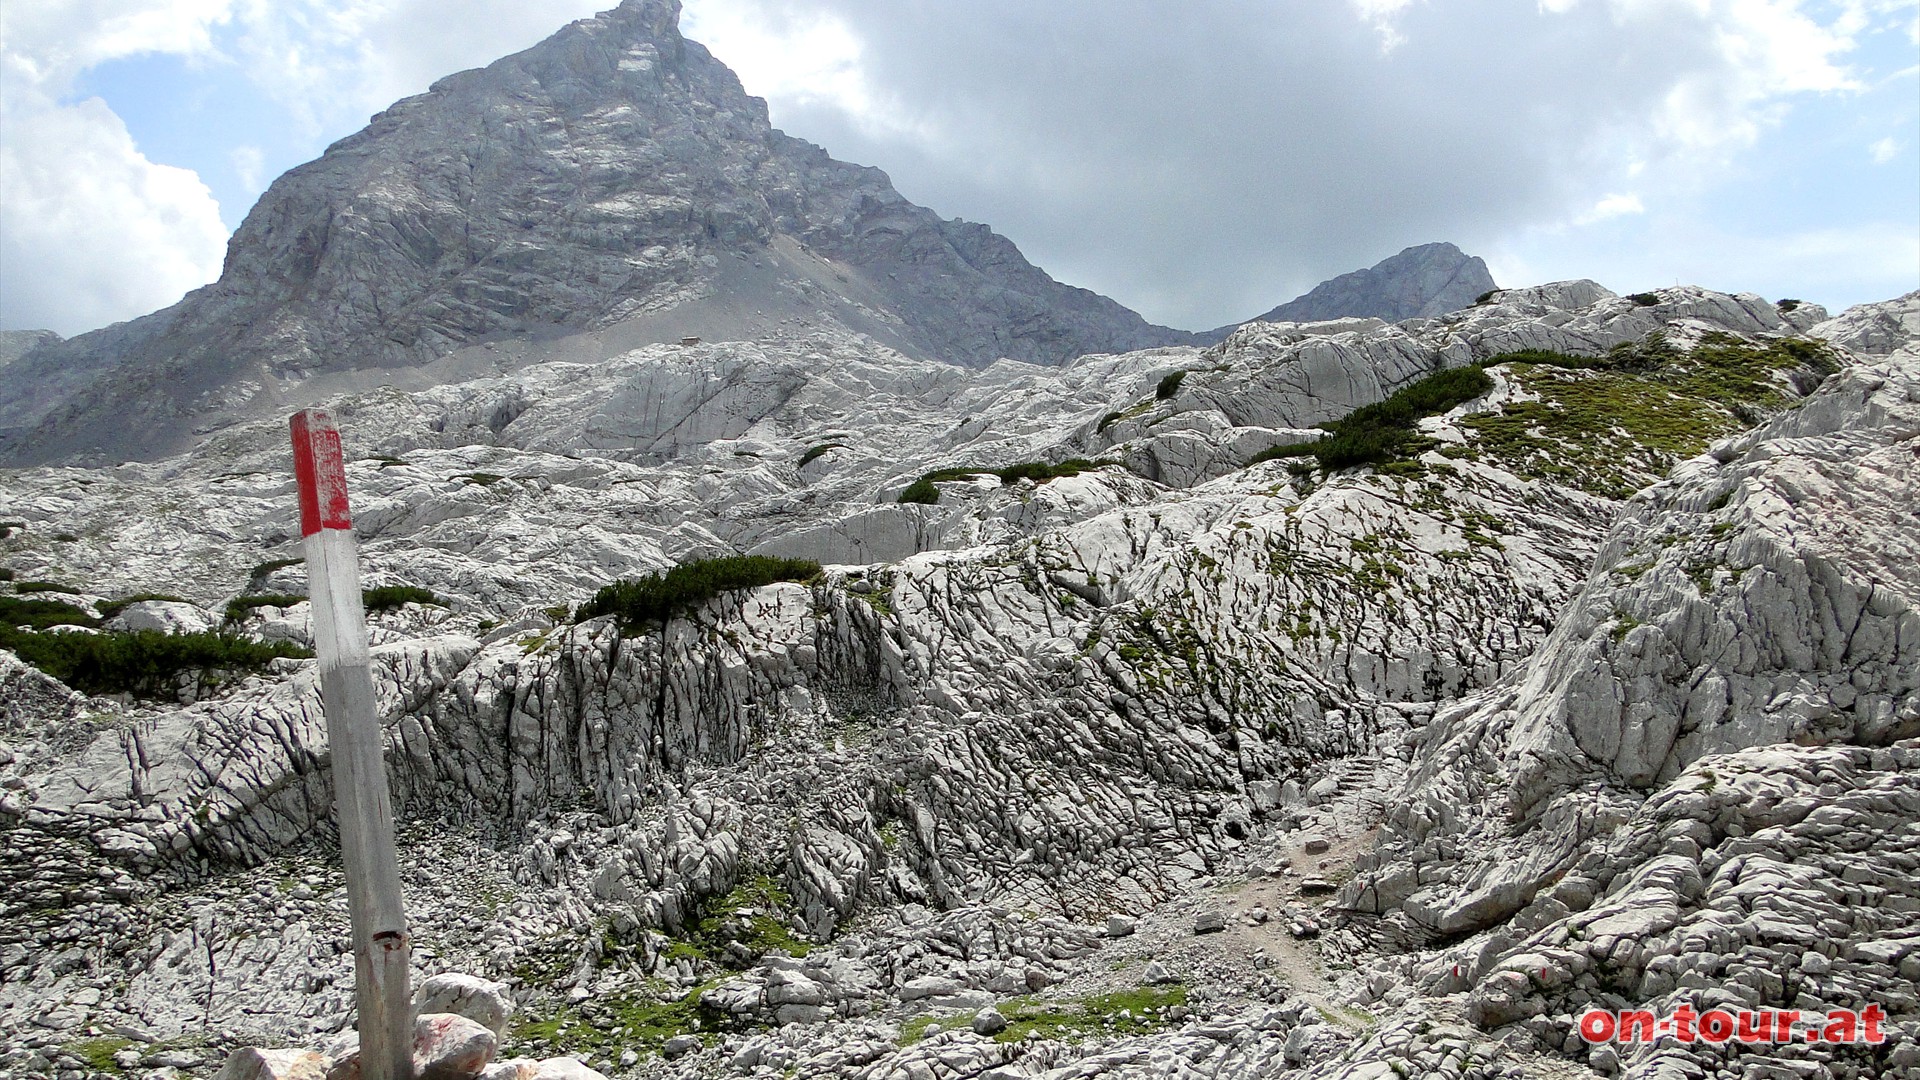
x,y
614,177
1420,282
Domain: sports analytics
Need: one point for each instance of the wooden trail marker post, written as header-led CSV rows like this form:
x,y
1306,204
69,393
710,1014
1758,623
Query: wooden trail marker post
x,y
380,945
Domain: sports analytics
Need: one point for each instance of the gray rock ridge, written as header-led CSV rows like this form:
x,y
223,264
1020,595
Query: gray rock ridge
x,y
1112,693
613,176
1420,282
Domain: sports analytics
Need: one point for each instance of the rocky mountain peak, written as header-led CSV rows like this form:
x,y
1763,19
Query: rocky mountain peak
x,y
1420,282
613,179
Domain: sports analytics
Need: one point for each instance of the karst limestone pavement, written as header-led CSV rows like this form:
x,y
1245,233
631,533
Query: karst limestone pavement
x,y
1605,692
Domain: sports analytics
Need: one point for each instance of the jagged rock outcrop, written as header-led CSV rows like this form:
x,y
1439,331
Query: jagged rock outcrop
x,y
1698,792
1420,282
614,177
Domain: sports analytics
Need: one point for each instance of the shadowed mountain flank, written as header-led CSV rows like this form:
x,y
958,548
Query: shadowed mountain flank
x,y
1420,282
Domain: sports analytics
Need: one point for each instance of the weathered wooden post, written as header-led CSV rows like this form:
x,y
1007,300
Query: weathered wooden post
x,y
380,946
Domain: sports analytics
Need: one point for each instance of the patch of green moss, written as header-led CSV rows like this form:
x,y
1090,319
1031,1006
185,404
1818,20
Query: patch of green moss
x,y
639,1021
1612,432
1139,1011
98,1053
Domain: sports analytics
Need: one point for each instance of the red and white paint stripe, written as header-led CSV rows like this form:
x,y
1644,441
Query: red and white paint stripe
x,y
380,944
326,529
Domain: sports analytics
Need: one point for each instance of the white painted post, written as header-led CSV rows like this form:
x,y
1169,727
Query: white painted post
x,y
380,945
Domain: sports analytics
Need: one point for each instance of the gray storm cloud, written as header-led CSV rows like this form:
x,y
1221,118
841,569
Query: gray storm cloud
x,y
1204,161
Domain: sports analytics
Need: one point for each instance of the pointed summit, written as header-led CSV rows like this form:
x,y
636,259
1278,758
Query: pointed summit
x,y
1431,279
614,178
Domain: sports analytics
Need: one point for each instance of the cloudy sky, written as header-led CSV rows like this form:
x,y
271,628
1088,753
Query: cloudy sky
x,y
1200,161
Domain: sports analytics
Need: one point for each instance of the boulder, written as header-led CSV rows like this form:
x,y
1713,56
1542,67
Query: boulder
x,y
447,1046
989,1021
486,1003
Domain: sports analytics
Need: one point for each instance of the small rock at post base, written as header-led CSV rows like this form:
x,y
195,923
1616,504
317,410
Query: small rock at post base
x,y
448,1046
253,1063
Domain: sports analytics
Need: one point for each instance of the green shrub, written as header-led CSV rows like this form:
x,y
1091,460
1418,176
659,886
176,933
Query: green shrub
x,y
40,614
924,491
1485,297
1169,386
1785,306
144,663
1107,420
240,607
1650,353
1385,430
920,491
659,597
114,607
1040,472
1289,450
267,569
1644,299
814,452
6,573
45,586
387,597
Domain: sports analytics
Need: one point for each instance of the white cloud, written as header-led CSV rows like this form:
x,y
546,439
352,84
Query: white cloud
x,y
1200,161
1381,15
91,232
248,161
1612,206
1205,161
50,42
1884,151
331,63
